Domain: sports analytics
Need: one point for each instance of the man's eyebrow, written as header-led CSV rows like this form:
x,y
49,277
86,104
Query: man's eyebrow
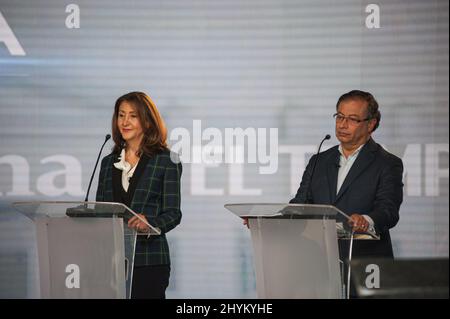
x,y
349,114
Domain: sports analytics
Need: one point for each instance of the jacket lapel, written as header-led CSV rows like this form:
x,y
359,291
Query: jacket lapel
x,y
364,159
333,166
116,181
140,169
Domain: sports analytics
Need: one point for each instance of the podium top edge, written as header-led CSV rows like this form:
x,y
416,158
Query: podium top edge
x,y
285,204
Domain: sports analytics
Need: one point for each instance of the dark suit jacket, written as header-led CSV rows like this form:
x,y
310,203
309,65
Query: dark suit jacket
x,y
372,187
154,191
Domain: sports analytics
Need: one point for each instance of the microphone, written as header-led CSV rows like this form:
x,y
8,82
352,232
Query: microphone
x,y
107,137
327,137
83,210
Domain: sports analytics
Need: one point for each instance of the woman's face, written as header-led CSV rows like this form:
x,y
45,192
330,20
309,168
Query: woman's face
x,y
129,124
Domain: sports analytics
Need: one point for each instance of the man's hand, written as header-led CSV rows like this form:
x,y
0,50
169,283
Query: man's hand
x,y
359,223
137,224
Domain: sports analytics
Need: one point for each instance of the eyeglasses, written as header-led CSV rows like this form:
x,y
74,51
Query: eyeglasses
x,y
351,119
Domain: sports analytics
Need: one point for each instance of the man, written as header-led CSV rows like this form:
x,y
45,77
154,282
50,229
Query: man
x,y
358,176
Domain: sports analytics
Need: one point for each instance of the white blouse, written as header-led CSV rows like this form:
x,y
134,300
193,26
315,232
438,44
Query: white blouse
x,y
127,170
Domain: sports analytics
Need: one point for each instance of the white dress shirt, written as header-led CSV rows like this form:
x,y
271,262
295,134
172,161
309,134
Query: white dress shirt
x,y
345,164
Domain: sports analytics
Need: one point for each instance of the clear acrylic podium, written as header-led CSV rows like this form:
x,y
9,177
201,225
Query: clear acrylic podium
x,y
295,248
85,249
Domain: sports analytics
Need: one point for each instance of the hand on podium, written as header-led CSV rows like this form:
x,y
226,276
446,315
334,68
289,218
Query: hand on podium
x,y
359,223
137,224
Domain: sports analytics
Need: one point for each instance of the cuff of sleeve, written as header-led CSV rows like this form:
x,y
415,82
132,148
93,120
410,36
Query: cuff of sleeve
x,y
371,222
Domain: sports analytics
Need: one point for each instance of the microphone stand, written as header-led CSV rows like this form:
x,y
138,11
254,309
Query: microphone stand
x,y
83,210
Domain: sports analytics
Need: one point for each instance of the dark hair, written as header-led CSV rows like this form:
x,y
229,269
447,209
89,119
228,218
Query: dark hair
x,y
155,132
372,104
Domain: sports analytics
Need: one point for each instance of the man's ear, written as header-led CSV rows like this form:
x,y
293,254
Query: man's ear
x,y
372,124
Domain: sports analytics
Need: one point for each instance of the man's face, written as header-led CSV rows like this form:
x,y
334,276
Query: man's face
x,y
349,132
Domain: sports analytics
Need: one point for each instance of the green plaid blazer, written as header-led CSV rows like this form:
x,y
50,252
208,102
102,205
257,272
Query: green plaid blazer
x,y
154,191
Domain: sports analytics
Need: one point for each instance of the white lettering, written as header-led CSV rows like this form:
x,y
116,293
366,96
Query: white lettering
x,y
221,149
412,162
272,157
7,36
298,162
433,173
71,171
73,279
20,175
236,181
182,147
198,181
73,19
373,19
187,309
426,169
373,280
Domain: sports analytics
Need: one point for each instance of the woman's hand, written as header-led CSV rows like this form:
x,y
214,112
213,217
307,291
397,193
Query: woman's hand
x,y
138,224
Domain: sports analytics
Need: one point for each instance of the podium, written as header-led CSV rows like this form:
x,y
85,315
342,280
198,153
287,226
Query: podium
x,y
295,248
84,248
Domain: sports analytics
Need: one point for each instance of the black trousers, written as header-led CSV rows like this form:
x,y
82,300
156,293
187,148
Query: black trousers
x,y
150,282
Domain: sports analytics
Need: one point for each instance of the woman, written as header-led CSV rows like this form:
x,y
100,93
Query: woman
x,y
141,174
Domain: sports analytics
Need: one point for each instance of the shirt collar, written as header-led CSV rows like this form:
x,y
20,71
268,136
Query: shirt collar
x,y
122,164
354,154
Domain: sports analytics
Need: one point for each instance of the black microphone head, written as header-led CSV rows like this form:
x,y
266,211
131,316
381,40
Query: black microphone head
x,y
107,137
327,137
